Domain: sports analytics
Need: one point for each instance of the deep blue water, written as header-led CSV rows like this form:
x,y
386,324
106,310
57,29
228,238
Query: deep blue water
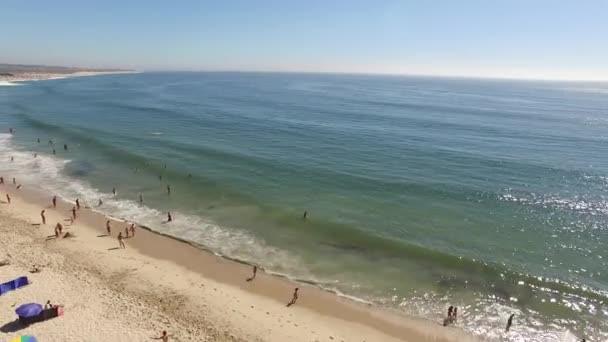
x,y
421,192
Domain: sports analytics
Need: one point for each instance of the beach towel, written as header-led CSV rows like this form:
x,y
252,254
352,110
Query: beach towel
x,y
13,285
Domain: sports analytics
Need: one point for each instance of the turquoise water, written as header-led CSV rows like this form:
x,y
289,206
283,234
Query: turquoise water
x,y
421,192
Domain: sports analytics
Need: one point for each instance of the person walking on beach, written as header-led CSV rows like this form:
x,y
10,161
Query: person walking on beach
x,y
108,228
163,336
54,201
450,311
126,232
455,314
510,322
100,203
12,159
255,271
78,204
43,217
58,229
132,229
294,299
73,213
169,218
1,180
121,243
8,198
14,181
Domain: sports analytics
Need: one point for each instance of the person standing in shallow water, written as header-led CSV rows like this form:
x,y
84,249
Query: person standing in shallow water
x,y
305,216
54,201
169,217
43,217
510,322
65,147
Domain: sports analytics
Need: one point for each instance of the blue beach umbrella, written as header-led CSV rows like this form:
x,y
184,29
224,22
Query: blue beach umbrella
x,y
29,310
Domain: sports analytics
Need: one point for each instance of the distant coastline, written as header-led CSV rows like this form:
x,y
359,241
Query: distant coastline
x,y
11,73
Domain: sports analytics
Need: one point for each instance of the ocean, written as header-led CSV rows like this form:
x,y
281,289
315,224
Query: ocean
x,y
489,195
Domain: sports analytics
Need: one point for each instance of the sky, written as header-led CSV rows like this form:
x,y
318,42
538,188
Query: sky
x,y
532,39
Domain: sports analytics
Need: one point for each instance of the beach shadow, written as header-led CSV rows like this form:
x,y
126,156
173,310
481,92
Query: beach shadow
x,y
13,326
103,235
36,224
66,220
113,249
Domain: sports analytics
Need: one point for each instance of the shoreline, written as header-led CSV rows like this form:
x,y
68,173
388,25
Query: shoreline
x,y
372,323
18,77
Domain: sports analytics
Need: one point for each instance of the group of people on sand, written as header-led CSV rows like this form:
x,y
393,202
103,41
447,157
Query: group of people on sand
x,y
294,297
130,229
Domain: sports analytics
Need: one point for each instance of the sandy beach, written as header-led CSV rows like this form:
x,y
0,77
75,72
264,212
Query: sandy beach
x,y
159,283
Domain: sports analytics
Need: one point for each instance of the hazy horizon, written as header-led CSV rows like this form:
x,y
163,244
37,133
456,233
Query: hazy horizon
x,y
542,40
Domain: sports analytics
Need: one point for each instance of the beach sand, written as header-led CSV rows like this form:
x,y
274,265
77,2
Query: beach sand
x,y
159,283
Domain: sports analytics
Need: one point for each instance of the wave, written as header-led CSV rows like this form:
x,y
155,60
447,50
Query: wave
x,y
49,173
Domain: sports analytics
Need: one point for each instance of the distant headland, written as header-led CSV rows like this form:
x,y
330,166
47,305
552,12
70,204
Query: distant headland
x,y
19,72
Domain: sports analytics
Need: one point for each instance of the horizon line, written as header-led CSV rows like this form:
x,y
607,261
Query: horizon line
x,y
355,73
336,72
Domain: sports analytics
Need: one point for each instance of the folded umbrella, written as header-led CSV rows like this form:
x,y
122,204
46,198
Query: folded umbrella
x,y
29,310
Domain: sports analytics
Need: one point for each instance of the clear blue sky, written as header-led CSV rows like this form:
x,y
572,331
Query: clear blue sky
x,y
509,38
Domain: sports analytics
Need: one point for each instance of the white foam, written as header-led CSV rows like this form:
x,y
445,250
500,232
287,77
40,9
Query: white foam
x,y
8,84
45,172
